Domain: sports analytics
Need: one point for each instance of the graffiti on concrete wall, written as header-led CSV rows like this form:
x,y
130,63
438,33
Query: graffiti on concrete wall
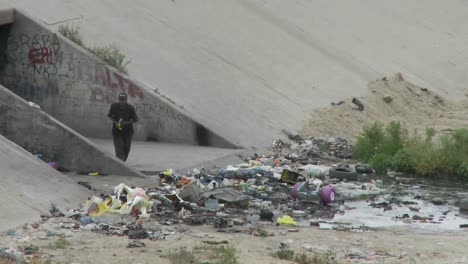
x,y
35,54
42,67
100,76
151,110
41,56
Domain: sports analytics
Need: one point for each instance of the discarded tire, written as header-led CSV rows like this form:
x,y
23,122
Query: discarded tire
x,y
327,194
364,168
342,173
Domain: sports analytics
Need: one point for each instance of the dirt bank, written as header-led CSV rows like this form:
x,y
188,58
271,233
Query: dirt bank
x,y
402,245
389,99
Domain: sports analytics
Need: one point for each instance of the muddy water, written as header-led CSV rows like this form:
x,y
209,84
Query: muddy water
x,y
425,205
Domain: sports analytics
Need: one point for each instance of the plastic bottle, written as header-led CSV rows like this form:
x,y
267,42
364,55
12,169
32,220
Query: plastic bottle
x,y
118,125
253,218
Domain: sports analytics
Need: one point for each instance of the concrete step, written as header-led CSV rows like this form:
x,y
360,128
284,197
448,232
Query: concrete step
x,y
153,157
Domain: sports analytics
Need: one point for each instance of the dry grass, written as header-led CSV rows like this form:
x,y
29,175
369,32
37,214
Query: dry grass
x,y
204,254
72,32
303,258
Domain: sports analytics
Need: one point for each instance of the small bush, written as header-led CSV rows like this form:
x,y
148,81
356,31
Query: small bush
x,y
369,142
216,254
60,243
392,148
225,255
112,55
72,32
395,138
402,161
182,256
303,258
462,170
381,162
285,254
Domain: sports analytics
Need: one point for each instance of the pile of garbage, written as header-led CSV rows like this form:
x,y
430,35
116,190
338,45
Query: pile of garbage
x,y
306,150
286,187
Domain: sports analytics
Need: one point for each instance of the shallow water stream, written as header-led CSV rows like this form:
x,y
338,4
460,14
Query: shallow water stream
x,y
428,205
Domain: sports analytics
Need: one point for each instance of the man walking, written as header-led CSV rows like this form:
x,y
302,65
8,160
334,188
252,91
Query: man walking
x,y
123,116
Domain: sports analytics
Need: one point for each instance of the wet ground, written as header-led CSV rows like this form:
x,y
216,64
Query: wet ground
x,y
385,220
401,202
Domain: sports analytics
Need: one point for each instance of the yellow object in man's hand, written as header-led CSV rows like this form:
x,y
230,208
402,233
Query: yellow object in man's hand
x,y
118,125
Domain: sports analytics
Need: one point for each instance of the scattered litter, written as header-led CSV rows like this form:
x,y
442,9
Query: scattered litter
x,y
290,186
137,234
260,232
228,195
358,103
32,104
9,232
52,164
286,220
215,242
136,244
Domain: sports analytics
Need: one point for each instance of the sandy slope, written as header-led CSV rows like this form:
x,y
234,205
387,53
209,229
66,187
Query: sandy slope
x,y
415,107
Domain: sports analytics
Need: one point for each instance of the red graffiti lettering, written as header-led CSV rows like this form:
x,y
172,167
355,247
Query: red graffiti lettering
x,y
134,91
100,75
40,56
118,81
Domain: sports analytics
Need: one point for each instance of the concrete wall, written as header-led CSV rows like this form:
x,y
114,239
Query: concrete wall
x,y
7,16
39,133
29,187
247,69
77,88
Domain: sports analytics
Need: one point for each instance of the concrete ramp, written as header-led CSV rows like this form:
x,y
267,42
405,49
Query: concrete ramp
x,y
39,133
29,187
153,157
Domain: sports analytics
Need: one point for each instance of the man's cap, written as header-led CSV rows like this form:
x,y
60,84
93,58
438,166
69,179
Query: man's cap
x,y
122,96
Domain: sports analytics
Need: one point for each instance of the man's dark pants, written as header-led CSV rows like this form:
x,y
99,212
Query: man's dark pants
x,y
122,144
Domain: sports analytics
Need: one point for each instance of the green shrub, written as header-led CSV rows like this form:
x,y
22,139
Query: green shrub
x,y
72,32
181,256
394,138
381,162
303,258
112,55
427,159
369,142
462,170
377,140
198,254
402,161
428,155
60,243
225,254
285,254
